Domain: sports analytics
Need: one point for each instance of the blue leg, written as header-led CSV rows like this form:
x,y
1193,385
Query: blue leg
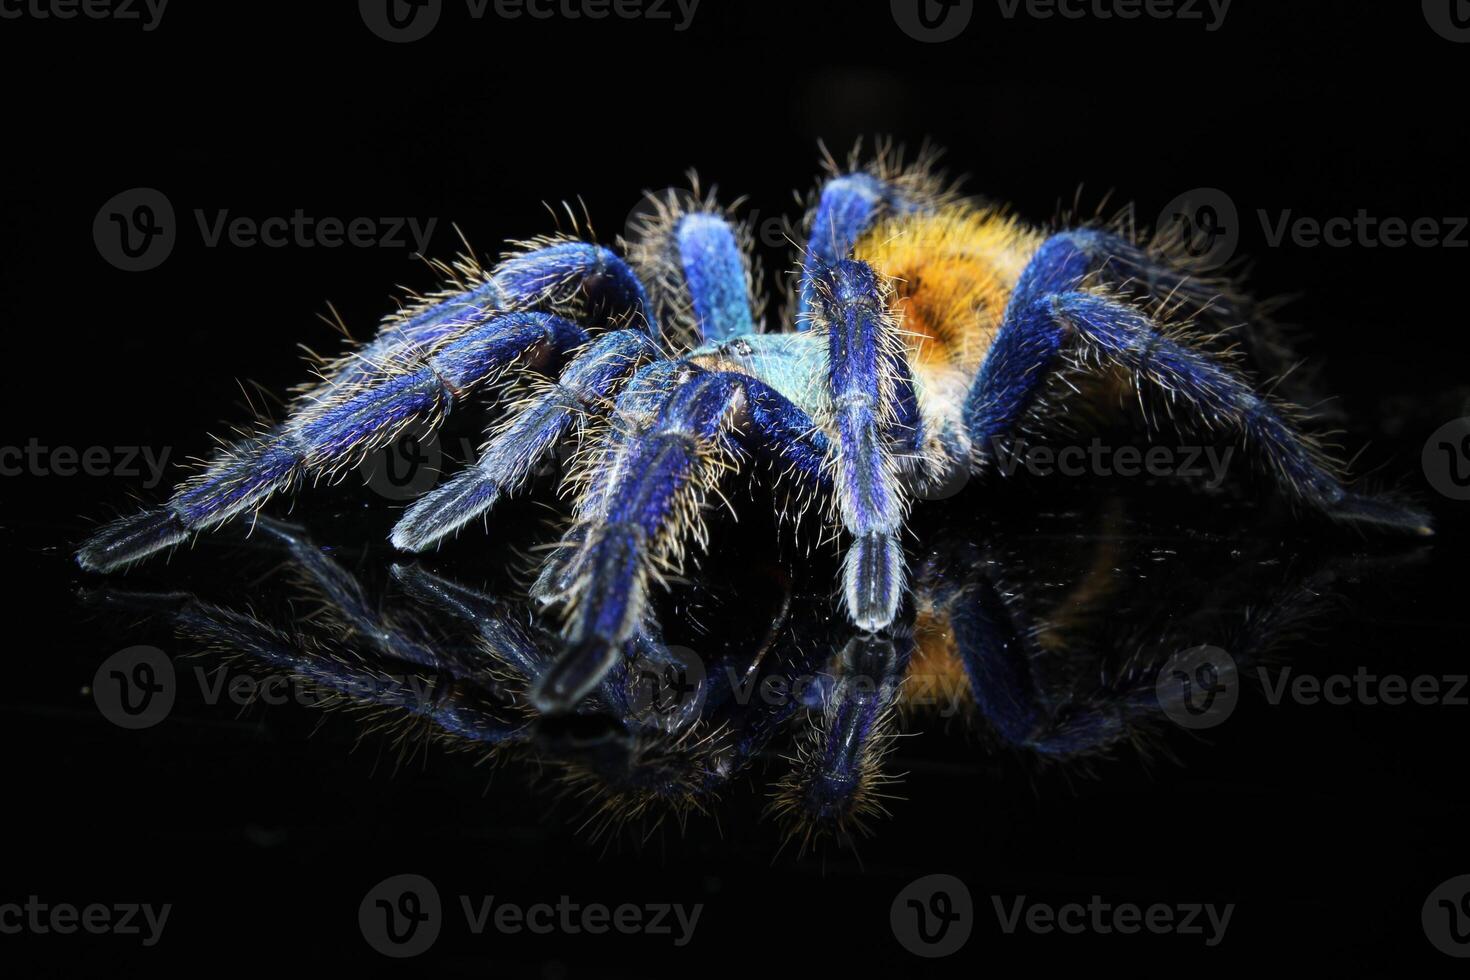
x,y
717,275
243,475
864,383
699,269
836,782
997,649
529,434
633,413
848,206
1046,315
335,430
555,274
656,477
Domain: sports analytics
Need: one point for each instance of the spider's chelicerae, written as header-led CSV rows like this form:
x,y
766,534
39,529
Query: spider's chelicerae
x,y
926,331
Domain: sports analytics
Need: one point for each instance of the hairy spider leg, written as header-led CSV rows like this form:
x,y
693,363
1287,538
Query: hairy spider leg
x,y
1166,276
837,773
242,476
325,435
654,481
792,363
848,206
525,438
348,606
998,652
712,275
1046,314
509,640
715,275
864,382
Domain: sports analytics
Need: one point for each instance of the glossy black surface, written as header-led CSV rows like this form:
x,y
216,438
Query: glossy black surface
x,y
265,826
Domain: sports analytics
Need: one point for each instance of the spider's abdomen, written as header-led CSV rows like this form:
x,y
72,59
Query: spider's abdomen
x,y
953,271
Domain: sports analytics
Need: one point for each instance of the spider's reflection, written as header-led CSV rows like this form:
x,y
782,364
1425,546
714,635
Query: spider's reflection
x,y
1058,643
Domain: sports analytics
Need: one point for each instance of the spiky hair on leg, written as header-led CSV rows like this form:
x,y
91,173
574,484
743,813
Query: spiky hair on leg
x,y
838,773
812,802
1166,266
670,234
636,783
918,178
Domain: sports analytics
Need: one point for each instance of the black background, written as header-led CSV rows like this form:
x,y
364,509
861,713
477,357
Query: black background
x,y
1328,828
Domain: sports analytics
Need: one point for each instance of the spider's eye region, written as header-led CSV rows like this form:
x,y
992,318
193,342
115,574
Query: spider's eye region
x,y
739,347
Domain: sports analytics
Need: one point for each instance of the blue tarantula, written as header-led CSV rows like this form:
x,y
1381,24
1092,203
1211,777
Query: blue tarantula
x,y
926,332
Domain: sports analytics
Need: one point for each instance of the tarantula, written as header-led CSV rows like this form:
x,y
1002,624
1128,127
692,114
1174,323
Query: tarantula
x,y
926,332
